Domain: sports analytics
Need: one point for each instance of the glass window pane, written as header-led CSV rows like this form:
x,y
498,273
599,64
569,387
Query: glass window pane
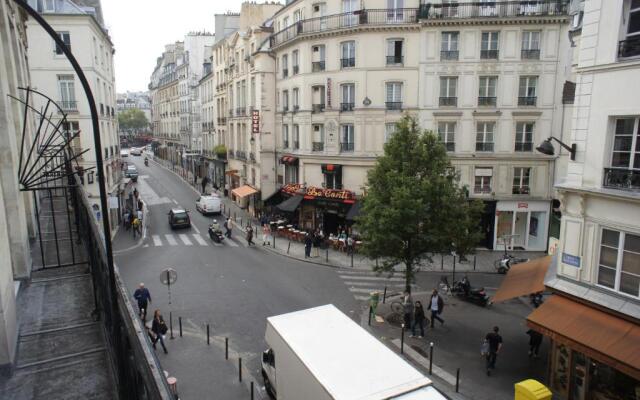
x,y
624,126
610,238
606,277
631,262
620,160
608,256
634,22
629,284
622,143
632,243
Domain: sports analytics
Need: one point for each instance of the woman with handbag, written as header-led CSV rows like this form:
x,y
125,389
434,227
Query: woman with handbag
x,y
159,328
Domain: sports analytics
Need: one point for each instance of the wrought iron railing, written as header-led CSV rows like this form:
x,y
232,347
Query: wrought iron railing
x,y
296,69
317,66
393,105
241,155
524,146
68,105
489,54
530,54
285,144
344,107
346,146
520,189
317,146
448,101
241,111
621,178
317,108
527,100
449,146
629,47
394,60
484,146
449,54
296,145
348,62
285,72
482,189
494,9
487,101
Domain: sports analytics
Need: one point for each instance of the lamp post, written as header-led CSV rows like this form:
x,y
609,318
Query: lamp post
x,y
547,148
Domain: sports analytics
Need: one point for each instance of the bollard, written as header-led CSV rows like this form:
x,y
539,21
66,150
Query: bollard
x,y
327,253
453,274
351,258
402,340
384,296
376,262
289,247
370,312
273,235
171,326
251,390
208,338
431,358
240,369
180,323
474,262
226,348
241,223
457,380
441,262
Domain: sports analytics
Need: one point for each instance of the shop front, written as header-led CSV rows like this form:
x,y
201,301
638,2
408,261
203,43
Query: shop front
x,y
522,225
216,172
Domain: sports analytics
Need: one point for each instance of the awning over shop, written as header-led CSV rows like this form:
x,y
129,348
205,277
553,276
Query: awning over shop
x,y
289,160
244,191
523,279
290,204
353,212
599,335
275,198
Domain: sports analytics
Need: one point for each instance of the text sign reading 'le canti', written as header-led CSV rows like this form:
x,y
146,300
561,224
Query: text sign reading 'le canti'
x,y
346,196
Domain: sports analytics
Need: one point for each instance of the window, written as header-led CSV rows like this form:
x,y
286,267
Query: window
x,y
348,7
294,62
291,174
285,66
348,91
447,135
619,263
482,181
449,49
394,52
346,137
285,136
487,91
489,45
630,45
530,45
521,180
318,137
285,100
389,130
448,89
67,92
394,96
332,176
395,10
296,137
348,51
66,38
625,156
484,136
318,54
252,99
295,99
318,99
49,6
527,91
524,136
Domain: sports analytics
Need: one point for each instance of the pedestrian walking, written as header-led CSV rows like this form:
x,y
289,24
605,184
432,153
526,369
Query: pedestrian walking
x,y
204,183
227,227
140,205
436,307
317,242
135,193
139,214
494,342
535,340
136,227
143,297
266,231
418,319
159,329
127,219
226,190
407,304
308,241
250,235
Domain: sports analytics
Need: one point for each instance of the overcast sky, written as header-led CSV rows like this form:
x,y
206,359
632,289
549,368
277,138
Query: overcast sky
x,y
140,29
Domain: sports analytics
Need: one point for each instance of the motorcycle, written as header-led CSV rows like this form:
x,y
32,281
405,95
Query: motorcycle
x,y
465,291
216,234
146,162
506,262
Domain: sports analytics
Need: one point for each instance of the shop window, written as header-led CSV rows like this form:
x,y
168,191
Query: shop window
x,y
482,181
619,262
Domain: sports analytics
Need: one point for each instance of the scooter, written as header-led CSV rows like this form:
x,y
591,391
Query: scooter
x,y
465,291
216,234
146,162
504,264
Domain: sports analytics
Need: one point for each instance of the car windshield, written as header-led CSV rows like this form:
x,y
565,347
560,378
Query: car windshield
x,y
131,168
180,216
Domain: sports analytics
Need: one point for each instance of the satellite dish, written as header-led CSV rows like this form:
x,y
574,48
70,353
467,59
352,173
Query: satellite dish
x,y
168,277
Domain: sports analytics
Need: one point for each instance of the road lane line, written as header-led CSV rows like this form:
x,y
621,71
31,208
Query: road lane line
x,y
364,290
200,240
195,228
350,283
231,243
185,239
362,297
171,240
373,278
174,200
156,240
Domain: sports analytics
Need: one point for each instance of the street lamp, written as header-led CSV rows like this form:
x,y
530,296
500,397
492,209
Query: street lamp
x,y
547,148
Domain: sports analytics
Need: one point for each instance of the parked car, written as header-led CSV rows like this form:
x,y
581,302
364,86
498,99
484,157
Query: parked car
x,y
135,151
179,218
124,153
209,205
131,172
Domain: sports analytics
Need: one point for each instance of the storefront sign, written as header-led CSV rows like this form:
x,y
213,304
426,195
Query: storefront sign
x,y
523,205
328,92
255,121
312,192
113,202
571,260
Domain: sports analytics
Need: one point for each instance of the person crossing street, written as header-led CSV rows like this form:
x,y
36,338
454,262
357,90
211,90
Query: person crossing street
x,y
143,297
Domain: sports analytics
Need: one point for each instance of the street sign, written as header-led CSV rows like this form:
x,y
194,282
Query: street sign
x,y
168,277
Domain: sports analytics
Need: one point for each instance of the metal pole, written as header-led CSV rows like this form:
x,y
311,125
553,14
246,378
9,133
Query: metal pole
x,y
251,390
171,325
240,369
453,278
273,235
327,253
289,247
180,323
474,262
384,296
431,358
208,340
441,262
73,253
55,228
35,203
226,348
457,380
402,340
370,312
351,258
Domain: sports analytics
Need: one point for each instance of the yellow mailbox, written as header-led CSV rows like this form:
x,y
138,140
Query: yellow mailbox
x,y
531,389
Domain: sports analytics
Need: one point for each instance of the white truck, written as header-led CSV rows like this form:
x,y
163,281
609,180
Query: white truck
x,y
320,353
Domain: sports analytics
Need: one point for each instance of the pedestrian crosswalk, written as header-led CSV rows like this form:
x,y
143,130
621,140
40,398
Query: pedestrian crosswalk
x,y
193,239
361,283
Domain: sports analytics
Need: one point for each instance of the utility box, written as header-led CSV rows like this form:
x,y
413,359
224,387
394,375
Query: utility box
x,y
373,301
531,389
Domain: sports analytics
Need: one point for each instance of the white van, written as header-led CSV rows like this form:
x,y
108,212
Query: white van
x,y
209,205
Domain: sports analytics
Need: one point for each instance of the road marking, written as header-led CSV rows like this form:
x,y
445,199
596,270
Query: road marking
x,y
361,297
373,278
174,200
352,283
231,243
200,240
195,228
363,290
439,372
185,239
156,240
171,240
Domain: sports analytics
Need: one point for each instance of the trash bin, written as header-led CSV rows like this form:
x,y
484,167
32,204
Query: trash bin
x,y
531,389
373,301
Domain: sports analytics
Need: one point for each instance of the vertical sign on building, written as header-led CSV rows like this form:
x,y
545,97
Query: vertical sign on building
x,y
255,121
328,92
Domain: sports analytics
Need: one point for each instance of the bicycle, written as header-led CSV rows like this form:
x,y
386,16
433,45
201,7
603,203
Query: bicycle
x,y
397,309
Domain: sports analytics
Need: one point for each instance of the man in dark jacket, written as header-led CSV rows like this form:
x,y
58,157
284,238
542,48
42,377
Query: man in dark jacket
x,y
308,241
143,297
436,305
535,340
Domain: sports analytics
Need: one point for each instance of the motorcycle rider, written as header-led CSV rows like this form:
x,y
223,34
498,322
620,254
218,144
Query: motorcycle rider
x,y
466,286
215,227
146,161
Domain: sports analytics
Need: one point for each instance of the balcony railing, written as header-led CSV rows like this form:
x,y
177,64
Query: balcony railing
x,y
520,189
482,189
285,144
230,112
621,178
317,146
487,101
629,47
346,107
449,146
296,69
524,146
530,54
394,60
484,146
448,101
449,55
317,108
527,101
347,62
231,154
241,111
296,108
497,9
285,72
285,108
489,54
346,146
393,105
317,66
241,155
222,121
296,145
68,105
347,20
101,110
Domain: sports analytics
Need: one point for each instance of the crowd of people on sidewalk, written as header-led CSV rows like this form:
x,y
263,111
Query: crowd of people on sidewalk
x,y
133,213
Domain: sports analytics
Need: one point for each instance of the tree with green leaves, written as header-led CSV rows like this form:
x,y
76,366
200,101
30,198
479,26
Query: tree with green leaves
x,y
132,119
414,205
